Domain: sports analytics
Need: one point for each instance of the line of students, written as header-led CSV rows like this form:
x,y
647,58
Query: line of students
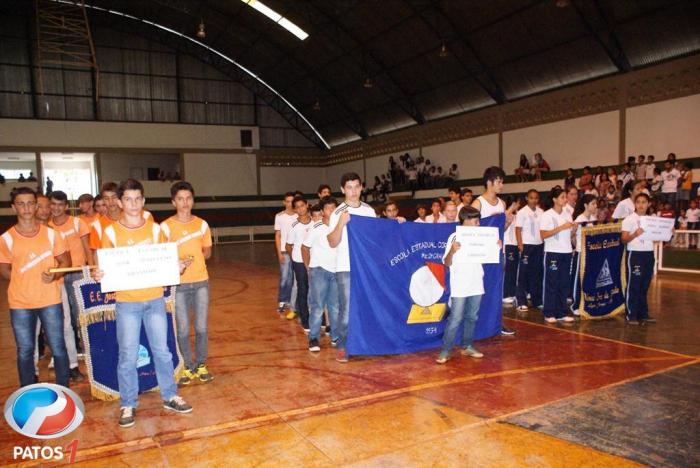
x,y
30,248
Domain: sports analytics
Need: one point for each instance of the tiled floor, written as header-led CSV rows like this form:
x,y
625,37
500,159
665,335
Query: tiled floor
x,y
531,401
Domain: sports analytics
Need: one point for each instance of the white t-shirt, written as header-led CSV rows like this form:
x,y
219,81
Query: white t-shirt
x,y
528,221
631,224
650,170
583,221
418,220
561,241
342,250
624,209
431,219
322,254
591,192
693,215
626,177
465,279
296,237
569,209
509,236
487,209
283,224
670,178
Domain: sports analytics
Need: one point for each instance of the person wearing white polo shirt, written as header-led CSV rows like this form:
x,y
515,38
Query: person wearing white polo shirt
x,y
555,230
283,224
640,263
586,213
626,206
351,186
527,233
321,260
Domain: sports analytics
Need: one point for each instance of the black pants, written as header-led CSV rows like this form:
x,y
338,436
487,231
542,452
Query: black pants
x,y
557,280
640,269
511,271
302,303
530,275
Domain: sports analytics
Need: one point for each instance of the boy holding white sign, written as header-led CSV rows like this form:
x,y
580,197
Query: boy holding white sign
x,y
193,239
137,305
640,263
466,290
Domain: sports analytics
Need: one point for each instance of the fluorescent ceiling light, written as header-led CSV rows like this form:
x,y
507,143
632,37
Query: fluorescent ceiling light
x,y
277,18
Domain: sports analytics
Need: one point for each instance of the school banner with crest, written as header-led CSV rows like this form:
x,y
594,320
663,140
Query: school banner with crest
x,y
99,330
602,272
399,288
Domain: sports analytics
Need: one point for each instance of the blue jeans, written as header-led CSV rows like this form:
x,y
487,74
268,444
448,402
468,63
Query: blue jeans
x,y
195,297
343,279
462,309
24,322
69,279
286,280
129,318
323,295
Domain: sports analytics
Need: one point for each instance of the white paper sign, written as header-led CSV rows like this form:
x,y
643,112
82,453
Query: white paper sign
x,y
656,228
478,244
139,267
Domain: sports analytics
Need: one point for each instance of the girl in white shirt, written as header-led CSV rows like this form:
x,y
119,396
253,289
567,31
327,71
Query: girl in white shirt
x,y
586,213
640,263
555,230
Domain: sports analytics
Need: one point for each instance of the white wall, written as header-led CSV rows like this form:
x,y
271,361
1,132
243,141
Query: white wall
x,y
591,140
221,173
278,180
472,156
56,134
334,173
118,166
665,127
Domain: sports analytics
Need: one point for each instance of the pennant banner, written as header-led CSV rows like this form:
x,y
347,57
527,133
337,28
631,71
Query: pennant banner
x,y
399,288
602,272
99,330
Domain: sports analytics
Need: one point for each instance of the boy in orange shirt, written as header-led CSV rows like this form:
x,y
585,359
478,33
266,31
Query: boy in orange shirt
x,y
193,239
27,251
86,204
75,232
140,305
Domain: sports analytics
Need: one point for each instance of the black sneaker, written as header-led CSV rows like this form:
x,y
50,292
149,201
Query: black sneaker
x,y
507,331
314,346
127,416
177,404
76,375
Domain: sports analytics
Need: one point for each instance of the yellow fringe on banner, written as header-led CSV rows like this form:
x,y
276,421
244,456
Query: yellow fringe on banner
x,y
593,230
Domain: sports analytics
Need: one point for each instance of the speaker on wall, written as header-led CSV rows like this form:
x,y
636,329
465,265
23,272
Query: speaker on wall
x,y
247,138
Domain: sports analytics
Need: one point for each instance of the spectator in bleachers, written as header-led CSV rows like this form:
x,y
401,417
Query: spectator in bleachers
x,y
626,174
439,177
586,178
603,184
670,177
686,184
671,158
597,176
21,177
693,215
612,196
612,176
393,168
412,175
656,182
421,211
391,211
32,178
603,211
387,185
590,190
650,166
640,171
522,172
570,179
539,166
453,174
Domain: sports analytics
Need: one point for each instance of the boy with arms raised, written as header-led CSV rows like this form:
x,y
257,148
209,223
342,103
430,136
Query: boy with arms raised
x,y
193,239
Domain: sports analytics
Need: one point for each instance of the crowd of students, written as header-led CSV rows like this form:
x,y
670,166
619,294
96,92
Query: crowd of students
x,y
46,237
410,174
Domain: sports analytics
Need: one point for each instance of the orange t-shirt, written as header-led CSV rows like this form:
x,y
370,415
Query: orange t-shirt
x,y
73,230
89,219
190,237
118,235
29,257
100,224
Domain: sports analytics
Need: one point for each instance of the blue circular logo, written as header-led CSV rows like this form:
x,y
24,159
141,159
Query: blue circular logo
x,y
44,411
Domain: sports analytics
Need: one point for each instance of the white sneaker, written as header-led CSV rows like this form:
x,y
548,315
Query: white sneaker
x,y
577,313
566,319
522,308
51,364
550,320
508,300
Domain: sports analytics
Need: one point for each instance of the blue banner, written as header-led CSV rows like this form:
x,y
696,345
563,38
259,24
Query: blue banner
x,y
99,329
601,272
399,288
